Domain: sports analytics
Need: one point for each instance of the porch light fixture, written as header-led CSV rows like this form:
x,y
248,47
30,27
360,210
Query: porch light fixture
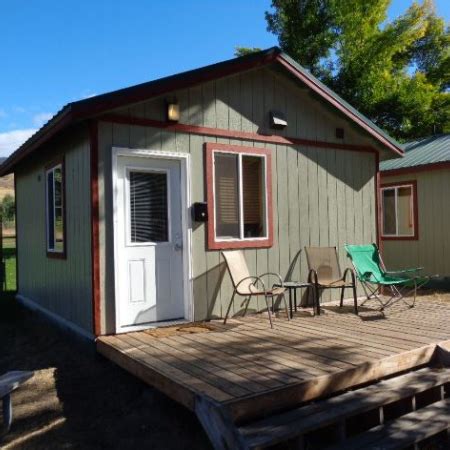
x,y
173,111
277,120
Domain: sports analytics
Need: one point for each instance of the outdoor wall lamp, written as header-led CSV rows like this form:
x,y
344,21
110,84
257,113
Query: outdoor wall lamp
x,y
173,111
277,120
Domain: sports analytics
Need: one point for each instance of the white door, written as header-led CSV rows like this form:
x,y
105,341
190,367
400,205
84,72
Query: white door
x,y
149,266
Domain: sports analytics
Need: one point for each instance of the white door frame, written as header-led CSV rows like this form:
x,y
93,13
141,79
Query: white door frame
x,y
185,184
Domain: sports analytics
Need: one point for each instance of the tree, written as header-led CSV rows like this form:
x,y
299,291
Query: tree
x,y
242,51
7,208
395,72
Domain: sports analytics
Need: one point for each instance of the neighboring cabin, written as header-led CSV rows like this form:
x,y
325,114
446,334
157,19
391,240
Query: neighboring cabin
x,y
415,193
106,191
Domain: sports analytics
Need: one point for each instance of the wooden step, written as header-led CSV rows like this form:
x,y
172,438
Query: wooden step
x,y
299,421
409,429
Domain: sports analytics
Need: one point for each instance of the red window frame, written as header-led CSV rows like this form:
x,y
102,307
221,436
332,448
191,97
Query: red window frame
x,y
213,243
415,235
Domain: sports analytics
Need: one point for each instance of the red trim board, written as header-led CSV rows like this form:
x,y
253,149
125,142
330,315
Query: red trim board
x,y
95,239
232,134
378,203
209,167
16,229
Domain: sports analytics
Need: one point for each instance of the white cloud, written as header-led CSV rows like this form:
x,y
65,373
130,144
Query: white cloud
x,y
41,118
11,140
88,94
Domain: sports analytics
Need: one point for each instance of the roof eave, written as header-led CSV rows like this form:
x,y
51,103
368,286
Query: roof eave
x,y
55,125
91,107
313,85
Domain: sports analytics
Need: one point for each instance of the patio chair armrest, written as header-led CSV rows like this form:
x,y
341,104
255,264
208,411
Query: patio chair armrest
x,y
256,280
411,270
277,275
366,276
350,271
313,277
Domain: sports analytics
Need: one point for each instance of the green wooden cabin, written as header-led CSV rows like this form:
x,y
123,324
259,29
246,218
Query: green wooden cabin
x,y
124,200
416,208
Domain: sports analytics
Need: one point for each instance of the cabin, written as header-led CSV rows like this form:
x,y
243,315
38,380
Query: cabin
x,y
415,208
125,200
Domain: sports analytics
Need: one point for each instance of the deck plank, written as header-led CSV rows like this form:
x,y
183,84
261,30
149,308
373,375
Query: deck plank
x,y
252,369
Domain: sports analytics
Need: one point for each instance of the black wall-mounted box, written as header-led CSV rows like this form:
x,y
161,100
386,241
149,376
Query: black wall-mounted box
x,y
199,212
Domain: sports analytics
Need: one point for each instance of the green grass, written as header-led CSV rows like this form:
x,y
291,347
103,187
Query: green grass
x,y
9,255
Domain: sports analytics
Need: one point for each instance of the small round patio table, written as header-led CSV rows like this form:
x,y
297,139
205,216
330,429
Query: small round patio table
x,y
293,286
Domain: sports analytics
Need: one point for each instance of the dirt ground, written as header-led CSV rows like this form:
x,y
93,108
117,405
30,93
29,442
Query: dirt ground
x,y
79,400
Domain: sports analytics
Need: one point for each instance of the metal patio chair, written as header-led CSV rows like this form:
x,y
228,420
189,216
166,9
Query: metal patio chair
x,y
325,273
246,285
372,274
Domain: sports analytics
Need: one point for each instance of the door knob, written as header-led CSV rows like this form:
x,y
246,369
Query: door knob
x,y
178,246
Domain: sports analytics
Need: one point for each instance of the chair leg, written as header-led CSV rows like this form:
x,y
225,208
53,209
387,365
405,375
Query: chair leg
x,y
266,298
7,412
286,307
229,307
355,299
247,302
342,297
317,292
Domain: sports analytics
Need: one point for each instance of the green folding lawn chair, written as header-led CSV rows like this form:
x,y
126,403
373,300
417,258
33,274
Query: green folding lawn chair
x,y
371,272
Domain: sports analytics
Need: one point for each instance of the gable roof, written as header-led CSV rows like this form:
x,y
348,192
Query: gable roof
x,y
420,153
78,111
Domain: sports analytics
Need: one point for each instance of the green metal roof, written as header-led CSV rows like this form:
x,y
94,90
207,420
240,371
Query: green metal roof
x,y
429,150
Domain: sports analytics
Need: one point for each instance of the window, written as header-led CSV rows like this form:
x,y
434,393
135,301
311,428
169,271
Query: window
x,y
56,245
148,207
399,211
239,197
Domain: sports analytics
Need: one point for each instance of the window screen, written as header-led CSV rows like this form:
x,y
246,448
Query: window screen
x,y
227,195
148,207
389,215
253,193
405,217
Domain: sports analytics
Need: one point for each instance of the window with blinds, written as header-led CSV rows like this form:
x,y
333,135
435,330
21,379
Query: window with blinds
x,y
55,210
240,196
148,207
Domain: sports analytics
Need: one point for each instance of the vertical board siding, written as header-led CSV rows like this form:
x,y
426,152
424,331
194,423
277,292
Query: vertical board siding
x,y
315,191
62,286
431,251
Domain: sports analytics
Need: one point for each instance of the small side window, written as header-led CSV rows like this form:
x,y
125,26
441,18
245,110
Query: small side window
x,y
55,213
399,211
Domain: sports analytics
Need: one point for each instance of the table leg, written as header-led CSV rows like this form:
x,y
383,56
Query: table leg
x,y
317,295
295,300
290,303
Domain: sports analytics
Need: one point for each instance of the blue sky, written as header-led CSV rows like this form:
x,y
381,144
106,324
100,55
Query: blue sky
x,y
55,52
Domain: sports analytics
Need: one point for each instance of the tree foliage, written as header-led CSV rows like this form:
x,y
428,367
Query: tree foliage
x,y
7,208
396,72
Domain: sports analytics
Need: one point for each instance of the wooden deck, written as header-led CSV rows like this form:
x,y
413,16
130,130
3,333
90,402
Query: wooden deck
x,y
254,370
